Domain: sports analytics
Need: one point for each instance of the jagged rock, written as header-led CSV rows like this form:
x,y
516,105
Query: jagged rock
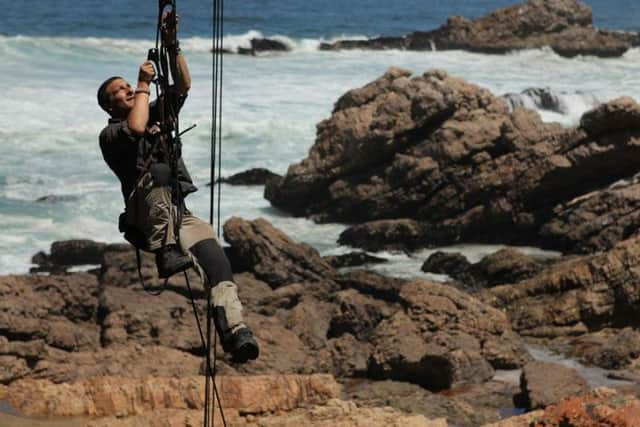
x,y
600,407
608,348
443,338
441,308
453,264
310,319
453,164
564,25
353,259
273,257
349,356
619,115
67,253
436,362
57,310
78,252
372,283
544,383
384,234
357,315
127,316
506,266
256,176
263,45
576,295
595,221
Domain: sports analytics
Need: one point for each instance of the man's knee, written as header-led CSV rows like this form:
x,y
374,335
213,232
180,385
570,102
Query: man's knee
x,y
213,261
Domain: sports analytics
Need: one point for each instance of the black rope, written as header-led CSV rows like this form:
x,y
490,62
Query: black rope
x,y
216,156
208,371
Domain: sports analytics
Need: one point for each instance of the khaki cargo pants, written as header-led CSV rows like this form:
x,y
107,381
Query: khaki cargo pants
x,y
151,210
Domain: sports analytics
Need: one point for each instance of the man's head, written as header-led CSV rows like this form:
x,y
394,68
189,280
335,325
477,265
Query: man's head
x,y
116,96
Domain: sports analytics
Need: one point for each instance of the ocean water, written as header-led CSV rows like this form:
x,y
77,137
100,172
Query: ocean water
x,y
53,55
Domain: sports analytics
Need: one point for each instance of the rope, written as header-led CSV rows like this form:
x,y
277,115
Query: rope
x,y
216,156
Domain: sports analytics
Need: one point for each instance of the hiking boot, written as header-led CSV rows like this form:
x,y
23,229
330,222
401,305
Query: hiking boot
x,y
171,260
242,346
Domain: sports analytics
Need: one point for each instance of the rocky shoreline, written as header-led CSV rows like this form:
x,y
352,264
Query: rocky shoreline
x,y
565,26
410,162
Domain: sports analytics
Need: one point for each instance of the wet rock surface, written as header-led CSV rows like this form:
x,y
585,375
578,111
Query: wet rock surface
x,y
256,176
503,266
566,26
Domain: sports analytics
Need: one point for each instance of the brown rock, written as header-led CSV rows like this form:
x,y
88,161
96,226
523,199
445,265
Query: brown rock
x,y
350,357
273,257
353,259
441,308
601,407
372,283
608,348
433,160
506,266
564,25
574,296
338,413
122,397
257,176
619,115
387,234
595,221
543,384
357,315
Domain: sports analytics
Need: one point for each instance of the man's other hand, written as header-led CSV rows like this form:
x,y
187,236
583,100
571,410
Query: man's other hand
x,y
146,72
169,25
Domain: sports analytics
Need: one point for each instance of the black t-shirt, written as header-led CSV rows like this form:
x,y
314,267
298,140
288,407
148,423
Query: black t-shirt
x,y
125,152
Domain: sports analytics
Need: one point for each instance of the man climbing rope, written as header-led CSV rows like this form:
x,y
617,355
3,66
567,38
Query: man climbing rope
x,y
155,219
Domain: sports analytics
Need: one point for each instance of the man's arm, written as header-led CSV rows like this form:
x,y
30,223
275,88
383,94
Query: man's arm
x,y
182,78
139,115
178,63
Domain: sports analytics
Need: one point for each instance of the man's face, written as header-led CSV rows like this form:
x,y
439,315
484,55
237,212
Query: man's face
x,y
122,96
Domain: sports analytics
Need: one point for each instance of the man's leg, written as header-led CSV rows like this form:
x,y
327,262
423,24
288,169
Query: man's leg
x,y
235,336
151,211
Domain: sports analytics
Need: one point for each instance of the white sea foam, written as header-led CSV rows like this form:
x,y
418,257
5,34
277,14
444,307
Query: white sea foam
x,y
271,105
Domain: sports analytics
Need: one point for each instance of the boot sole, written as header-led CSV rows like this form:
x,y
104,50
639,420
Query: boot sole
x,y
246,352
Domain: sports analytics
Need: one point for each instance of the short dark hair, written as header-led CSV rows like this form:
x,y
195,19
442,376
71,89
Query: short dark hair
x,y
104,97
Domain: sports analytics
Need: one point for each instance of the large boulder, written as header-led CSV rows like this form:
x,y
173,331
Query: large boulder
x,y
434,160
564,25
443,338
273,257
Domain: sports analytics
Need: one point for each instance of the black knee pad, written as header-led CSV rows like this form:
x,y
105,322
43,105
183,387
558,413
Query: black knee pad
x,y
213,261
